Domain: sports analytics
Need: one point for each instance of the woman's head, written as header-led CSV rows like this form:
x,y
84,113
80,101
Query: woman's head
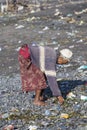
x,y
65,56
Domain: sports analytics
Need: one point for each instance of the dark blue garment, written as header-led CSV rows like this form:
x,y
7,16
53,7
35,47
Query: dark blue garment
x,y
65,86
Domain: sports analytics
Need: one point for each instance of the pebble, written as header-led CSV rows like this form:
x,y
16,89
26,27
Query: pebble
x,y
14,103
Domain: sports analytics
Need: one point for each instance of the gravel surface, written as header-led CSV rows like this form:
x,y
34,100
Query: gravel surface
x,y
59,24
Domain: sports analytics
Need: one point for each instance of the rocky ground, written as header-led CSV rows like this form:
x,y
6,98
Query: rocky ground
x,y
59,24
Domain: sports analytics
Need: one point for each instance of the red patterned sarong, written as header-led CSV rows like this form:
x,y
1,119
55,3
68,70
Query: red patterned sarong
x,y
32,78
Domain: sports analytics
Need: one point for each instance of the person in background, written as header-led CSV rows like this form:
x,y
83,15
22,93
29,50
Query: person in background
x,y
45,58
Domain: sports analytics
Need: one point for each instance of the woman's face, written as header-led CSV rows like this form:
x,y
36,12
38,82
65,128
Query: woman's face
x,y
62,60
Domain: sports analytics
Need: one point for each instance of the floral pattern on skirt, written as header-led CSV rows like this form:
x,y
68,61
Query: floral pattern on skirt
x,y
32,77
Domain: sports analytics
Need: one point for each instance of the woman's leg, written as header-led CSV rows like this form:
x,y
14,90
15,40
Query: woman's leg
x,y
37,100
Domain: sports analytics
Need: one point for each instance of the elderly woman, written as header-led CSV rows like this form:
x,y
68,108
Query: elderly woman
x,y
32,78
44,60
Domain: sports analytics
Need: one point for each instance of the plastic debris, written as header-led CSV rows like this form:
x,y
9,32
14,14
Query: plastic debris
x,y
71,95
70,20
20,8
80,41
69,15
0,49
57,12
19,41
84,98
46,28
5,115
80,12
18,49
81,22
20,26
64,115
33,18
47,112
33,127
32,11
82,67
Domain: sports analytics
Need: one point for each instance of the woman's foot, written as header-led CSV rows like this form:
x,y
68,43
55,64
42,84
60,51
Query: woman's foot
x,y
41,97
37,100
39,103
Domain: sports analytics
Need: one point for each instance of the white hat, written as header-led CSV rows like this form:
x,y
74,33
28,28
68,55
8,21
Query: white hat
x,y
66,53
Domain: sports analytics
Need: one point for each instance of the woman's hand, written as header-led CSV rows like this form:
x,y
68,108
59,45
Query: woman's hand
x,y
61,99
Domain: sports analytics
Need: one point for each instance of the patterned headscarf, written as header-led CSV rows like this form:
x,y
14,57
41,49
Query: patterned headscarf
x,y
24,51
